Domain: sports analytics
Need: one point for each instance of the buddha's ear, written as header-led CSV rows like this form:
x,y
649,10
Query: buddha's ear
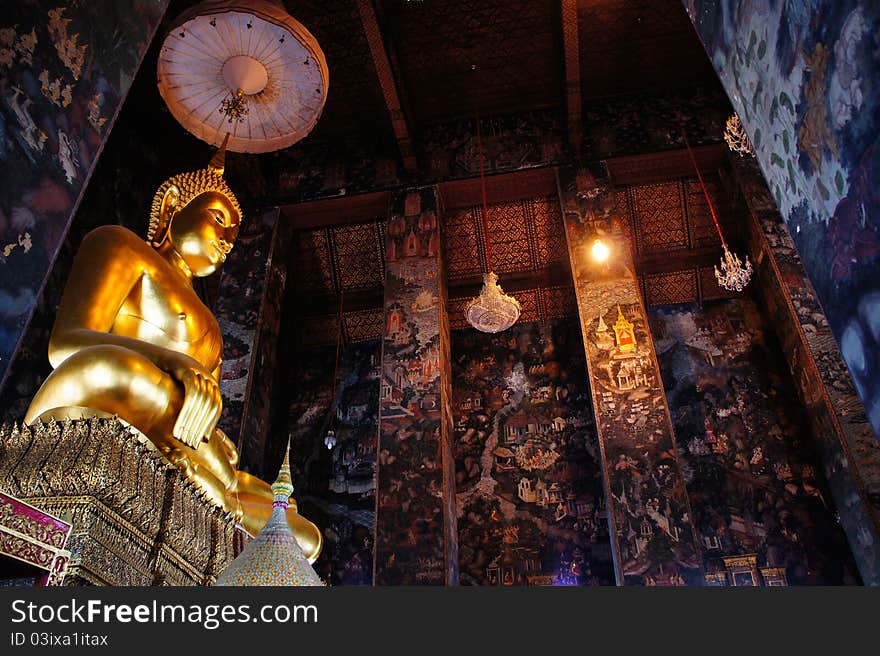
x,y
168,206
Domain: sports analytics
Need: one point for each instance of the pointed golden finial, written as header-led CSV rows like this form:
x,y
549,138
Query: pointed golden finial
x,y
218,161
282,488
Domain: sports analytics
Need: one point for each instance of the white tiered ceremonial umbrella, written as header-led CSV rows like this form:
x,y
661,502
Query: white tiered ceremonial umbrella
x,y
244,68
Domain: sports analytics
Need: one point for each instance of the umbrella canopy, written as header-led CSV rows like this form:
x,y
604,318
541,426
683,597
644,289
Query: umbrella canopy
x,y
244,68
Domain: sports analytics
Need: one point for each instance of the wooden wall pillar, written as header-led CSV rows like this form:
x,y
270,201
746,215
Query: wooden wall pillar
x,y
653,538
416,538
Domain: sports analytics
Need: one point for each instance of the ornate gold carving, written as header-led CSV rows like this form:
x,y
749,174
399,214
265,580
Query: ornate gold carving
x,y
47,534
137,519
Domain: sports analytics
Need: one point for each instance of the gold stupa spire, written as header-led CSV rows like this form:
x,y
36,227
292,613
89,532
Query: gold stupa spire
x,y
282,488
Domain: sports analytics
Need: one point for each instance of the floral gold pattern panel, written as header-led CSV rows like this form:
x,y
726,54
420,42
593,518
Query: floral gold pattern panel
x,y
358,260
526,235
666,288
659,212
32,536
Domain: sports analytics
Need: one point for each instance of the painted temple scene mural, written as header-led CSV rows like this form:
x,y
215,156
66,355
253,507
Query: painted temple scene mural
x,y
751,469
528,479
338,485
241,245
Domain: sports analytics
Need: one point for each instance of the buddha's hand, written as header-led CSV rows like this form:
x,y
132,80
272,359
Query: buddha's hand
x,y
201,408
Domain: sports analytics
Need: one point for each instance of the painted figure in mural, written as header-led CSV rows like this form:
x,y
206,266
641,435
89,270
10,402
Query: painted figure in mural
x,y
132,339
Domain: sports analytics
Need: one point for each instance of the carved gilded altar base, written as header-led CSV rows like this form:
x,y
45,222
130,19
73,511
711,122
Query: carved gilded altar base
x,y
137,520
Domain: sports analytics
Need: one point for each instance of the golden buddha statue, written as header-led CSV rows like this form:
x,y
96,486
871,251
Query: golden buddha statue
x,y
132,339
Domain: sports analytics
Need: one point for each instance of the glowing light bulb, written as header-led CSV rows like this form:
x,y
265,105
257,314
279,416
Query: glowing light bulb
x,y
600,251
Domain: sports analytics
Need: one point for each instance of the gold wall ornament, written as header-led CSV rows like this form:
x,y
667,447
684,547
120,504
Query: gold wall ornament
x,y
737,139
492,310
132,339
35,537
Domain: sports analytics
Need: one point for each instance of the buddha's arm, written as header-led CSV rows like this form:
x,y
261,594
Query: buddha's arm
x,y
109,263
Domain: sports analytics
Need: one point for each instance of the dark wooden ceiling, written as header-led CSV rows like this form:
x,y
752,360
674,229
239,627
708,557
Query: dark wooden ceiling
x,y
515,47
354,101
636,46
450,58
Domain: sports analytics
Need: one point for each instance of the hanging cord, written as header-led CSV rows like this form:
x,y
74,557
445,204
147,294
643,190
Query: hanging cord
x,y
702,184
336,364
483,190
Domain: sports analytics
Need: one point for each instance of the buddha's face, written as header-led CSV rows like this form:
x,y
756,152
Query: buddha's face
x,y
204,231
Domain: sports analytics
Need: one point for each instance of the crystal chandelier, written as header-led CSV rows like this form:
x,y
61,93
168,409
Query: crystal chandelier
x,y
736,137
733,275
491,311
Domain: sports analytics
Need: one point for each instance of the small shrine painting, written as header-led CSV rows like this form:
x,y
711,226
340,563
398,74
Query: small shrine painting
x,y
623,363
623,333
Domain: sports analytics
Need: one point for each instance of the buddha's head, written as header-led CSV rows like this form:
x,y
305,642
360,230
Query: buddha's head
x,y
196,215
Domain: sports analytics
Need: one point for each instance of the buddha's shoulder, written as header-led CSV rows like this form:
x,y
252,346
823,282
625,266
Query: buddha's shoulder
x,y
114,237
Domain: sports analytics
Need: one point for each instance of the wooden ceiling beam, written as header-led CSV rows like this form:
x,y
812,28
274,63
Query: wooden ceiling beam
x,y
388,84
572,58
500,188
339,210
669,261
665,165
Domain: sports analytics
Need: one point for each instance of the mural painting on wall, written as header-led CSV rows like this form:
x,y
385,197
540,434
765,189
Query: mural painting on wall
x,y
63,73
823,347
510,142
749,458
317,170
653,536
336,488
845,442
237,310
650,509
799,75
412,534
531,505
